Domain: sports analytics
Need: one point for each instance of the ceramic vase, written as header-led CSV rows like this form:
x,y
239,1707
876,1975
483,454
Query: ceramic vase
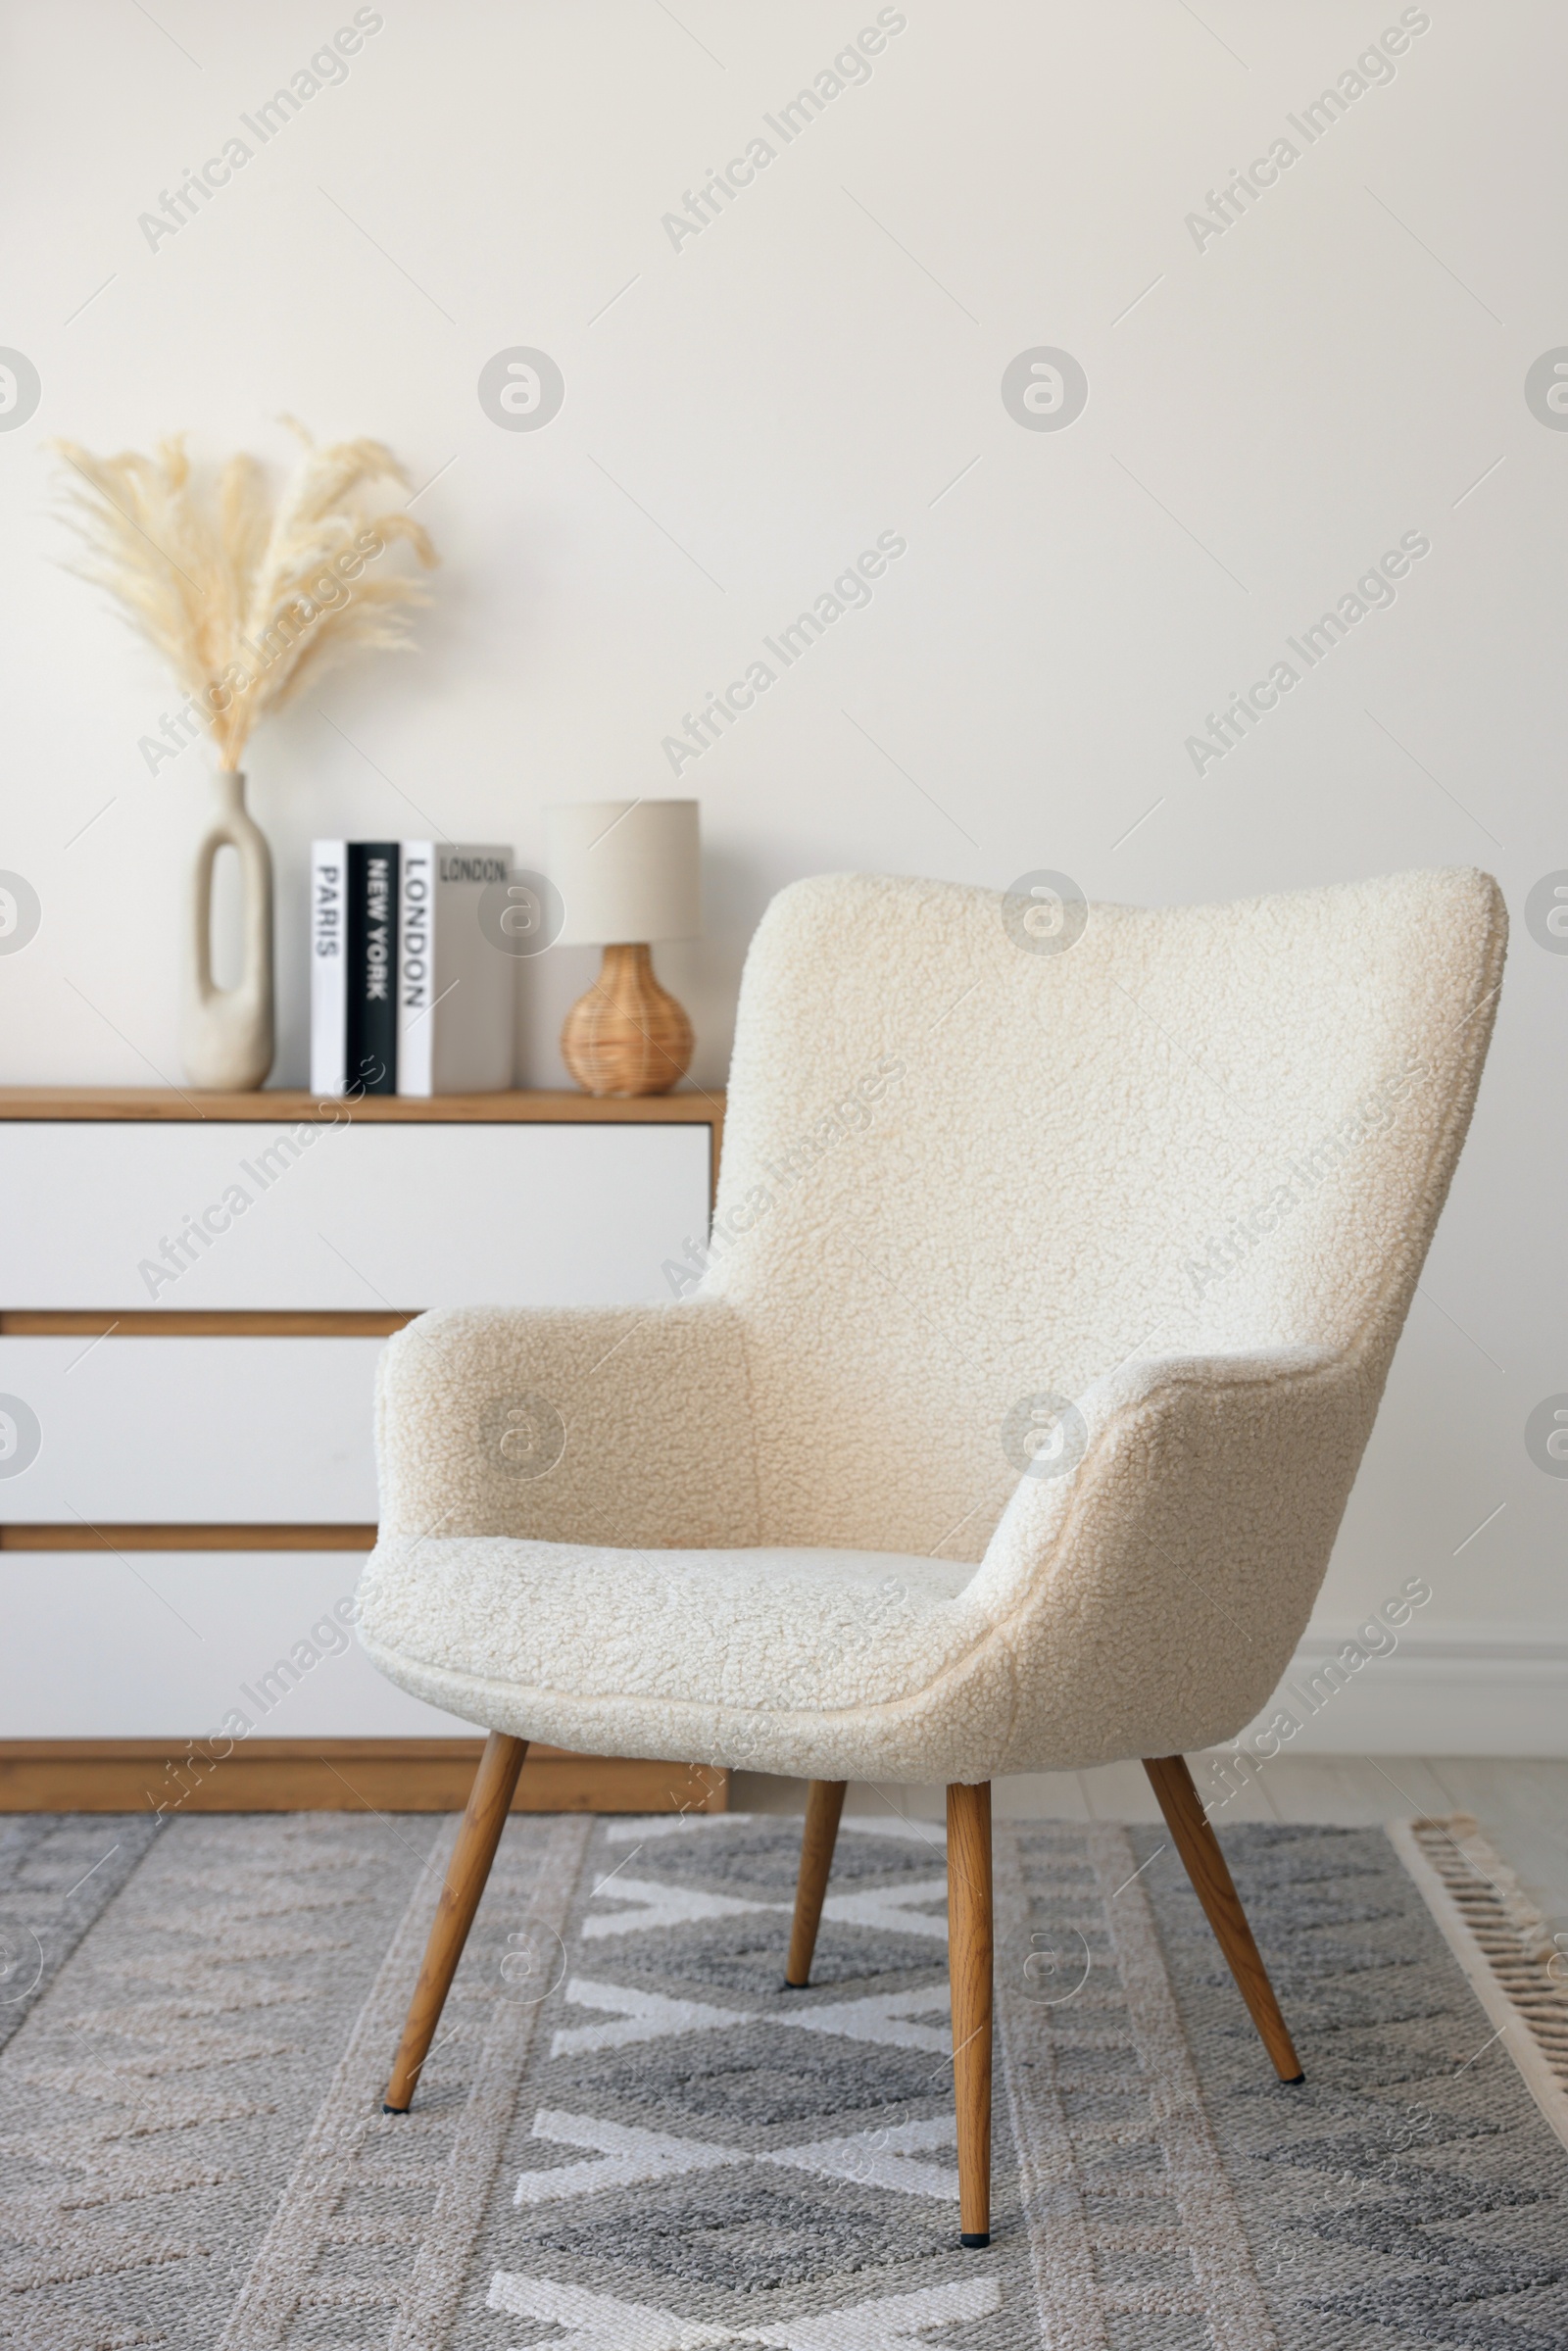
x,y
226,1033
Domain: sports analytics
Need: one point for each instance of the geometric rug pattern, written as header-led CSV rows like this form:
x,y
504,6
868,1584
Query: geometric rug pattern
x,y
629,2136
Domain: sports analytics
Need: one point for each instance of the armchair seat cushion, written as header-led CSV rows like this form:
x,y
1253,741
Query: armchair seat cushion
x,y
799,1661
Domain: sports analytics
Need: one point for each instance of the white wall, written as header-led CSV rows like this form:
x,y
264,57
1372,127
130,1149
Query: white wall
x,y
1341,365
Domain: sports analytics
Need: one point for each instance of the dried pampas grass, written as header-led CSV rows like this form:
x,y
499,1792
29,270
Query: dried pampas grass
x,y
245,599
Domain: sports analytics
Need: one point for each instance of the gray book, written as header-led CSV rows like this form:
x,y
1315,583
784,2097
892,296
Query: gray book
x,y
455,990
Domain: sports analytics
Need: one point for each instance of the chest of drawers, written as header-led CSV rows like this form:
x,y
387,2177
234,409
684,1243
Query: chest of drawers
x,y
193,1294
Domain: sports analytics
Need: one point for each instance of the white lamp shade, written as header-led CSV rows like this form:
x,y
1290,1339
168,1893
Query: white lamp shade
x,y
627,870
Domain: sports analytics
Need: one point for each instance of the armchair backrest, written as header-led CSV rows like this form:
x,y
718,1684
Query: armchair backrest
x,y
981,1148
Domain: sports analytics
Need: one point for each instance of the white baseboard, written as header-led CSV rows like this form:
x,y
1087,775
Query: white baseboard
x,y
1439,1694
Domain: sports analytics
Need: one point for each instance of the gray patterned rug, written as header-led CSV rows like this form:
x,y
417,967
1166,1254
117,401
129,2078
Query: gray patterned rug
x,y
631,2139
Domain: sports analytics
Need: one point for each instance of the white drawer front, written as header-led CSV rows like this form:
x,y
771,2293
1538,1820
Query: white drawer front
x,y
235,1216
176,1430
168,1644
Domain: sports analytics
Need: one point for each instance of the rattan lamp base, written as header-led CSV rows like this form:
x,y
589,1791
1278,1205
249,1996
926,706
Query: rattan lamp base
x,y
627,1035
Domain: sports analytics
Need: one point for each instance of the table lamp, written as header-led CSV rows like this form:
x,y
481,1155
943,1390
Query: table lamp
x,y
627,871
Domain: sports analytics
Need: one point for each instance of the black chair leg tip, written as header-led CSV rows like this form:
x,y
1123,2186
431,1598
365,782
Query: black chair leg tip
x,y
972,2242
789,1986
386,2108
1293,2081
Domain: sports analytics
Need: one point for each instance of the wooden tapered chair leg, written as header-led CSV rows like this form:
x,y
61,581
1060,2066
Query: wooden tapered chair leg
x,y
489,1803
1199,1848
969,1969
823,1805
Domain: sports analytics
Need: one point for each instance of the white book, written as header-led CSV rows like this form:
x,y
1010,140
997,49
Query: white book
x,y
417,970
456,990
328,967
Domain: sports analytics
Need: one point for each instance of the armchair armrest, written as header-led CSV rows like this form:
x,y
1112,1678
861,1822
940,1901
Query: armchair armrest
x,y
1153,1596
618,1425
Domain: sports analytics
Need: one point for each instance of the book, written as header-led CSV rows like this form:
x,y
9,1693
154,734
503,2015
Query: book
x,y
371,1012
415,970
328,967
456,987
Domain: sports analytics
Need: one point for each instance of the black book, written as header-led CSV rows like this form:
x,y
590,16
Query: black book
x,y
370,1061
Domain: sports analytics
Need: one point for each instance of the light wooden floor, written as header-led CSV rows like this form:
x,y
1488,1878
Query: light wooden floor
x,y
1522,1806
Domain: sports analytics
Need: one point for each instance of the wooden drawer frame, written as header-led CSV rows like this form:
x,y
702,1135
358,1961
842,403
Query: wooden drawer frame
x,y
330,1775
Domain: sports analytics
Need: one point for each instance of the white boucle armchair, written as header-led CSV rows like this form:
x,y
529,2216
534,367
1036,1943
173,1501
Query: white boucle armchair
x,y
1005,1423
